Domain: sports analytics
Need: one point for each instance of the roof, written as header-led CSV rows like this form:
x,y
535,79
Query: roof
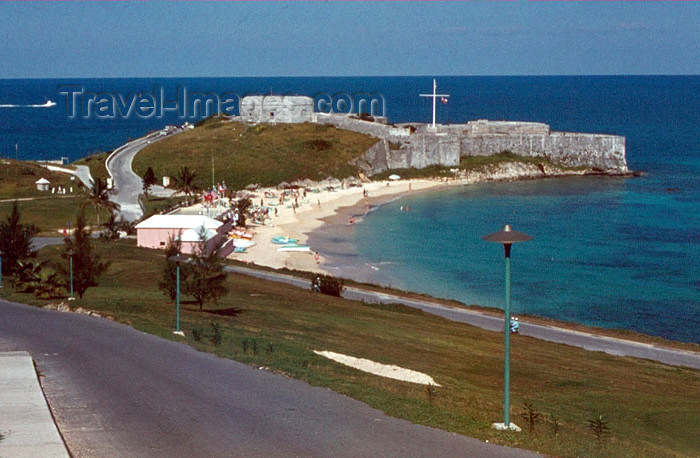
x,y
193,235
179,222
42,180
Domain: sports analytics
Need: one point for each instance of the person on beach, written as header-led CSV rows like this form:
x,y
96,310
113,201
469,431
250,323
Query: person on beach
x,y
351,221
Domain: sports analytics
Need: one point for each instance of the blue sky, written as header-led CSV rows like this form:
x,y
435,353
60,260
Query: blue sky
x,y
132,39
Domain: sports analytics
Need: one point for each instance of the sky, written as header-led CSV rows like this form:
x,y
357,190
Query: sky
x,y
333,38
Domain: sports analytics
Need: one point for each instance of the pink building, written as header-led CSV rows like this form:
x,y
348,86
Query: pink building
x,y
155,231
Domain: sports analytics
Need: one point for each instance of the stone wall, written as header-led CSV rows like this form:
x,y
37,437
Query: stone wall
x,y
483,127
604,152
417,151
404,147
276,108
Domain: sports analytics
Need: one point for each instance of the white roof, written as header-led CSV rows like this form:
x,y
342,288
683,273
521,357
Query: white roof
x,y
178,222
42,180
192,235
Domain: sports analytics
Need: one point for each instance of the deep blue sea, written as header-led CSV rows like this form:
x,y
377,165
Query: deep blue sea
x,y
611,252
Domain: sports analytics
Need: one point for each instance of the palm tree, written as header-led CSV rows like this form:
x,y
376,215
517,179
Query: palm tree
x,y
98,197
185,182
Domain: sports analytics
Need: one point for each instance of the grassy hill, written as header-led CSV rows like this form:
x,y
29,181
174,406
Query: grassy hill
x,y
262,154
651,409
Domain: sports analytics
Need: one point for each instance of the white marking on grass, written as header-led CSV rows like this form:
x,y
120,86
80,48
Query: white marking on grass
x,y
382,370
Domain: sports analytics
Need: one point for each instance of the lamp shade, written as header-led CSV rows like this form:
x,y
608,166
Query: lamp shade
x,y
507,236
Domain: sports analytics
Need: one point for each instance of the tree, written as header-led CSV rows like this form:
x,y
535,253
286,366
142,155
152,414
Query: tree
x,y
149,179
168,283
241,207
98,197
206,276
111,228
185,182
87,266
15,241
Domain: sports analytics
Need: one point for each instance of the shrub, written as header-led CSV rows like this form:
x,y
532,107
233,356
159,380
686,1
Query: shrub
x,y
327,284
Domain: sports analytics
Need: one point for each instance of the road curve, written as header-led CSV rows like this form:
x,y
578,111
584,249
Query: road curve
x,y
126,184
115,391
592,342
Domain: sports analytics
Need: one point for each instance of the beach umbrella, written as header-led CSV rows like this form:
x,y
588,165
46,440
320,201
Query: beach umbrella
x,y
394,177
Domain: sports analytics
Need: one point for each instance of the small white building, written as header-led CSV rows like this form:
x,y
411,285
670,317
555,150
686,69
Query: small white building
x,y
155,231
42,184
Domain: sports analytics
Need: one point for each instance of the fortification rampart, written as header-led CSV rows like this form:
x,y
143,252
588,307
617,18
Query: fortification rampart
x,y
418,146
604,152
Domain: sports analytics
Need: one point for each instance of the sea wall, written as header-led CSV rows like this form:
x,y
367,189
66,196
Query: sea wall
x,y
603,152
418,146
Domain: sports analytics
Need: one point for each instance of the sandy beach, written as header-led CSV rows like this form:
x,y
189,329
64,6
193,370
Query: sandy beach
x,y
336,206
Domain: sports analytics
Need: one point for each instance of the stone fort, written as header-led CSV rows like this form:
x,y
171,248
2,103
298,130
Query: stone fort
x,y
420,145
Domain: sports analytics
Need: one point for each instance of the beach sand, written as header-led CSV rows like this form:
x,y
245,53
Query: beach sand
x,y
334,207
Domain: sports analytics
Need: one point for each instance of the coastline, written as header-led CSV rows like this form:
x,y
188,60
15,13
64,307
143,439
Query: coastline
x,y
321,210
322,220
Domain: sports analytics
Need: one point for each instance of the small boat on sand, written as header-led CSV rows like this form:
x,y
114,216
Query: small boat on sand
x,y
283,240
294,247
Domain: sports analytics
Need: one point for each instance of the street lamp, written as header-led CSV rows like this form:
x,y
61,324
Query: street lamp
x,y
507,237
70,257
178,258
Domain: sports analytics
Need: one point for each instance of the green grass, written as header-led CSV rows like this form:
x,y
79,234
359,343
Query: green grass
x,y
652,409
51,214
96,164
17,179
155,205
263,154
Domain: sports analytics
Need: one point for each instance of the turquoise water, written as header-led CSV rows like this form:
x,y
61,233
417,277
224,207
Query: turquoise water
x,y
610,252
603,253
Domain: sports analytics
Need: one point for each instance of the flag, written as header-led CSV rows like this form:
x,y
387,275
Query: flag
x,y
443,100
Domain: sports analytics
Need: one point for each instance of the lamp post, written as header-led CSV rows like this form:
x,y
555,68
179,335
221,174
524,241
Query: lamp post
x,y
507,237
178,258
70,261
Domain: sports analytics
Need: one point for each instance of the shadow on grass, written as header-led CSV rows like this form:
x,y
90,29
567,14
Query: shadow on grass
x,y
231,311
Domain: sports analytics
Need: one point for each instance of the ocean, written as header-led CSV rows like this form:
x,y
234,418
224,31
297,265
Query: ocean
x,y
610,252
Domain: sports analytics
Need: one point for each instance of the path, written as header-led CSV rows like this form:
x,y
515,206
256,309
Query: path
x,y
115,392
127,185
81,171
593,342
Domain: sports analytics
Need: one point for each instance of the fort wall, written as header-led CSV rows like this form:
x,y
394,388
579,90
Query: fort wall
x,y
417,146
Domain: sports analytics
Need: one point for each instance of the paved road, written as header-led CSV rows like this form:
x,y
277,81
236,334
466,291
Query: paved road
x,y
115,392
127,185
611,345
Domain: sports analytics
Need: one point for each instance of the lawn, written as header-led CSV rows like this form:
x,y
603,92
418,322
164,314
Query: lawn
x,y
264,154
49,212
17,180
96,164
651,409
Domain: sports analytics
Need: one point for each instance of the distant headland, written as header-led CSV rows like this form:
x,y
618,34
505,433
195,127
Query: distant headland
x,y
418,145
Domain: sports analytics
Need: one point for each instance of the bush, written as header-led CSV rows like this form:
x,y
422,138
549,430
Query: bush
x,y
327,285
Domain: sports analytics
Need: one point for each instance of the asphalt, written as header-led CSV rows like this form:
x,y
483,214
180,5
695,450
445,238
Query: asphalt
x,y
115,391
127,185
